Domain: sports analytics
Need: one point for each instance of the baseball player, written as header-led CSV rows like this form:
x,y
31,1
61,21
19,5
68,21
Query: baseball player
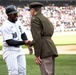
x,y
13,36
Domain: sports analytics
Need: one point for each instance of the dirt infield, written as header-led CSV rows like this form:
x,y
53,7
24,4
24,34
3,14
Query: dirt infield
x,y
68,49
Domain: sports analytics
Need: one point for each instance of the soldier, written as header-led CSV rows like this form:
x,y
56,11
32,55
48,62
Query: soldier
x,y
42,30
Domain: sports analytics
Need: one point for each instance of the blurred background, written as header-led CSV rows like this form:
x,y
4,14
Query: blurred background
x,y
62,13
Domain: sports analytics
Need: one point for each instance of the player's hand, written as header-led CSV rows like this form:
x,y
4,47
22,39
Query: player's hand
x,y
38,60
28,42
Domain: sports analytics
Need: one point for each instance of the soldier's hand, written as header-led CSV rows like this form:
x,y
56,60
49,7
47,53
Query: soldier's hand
x,y
30,50
38,60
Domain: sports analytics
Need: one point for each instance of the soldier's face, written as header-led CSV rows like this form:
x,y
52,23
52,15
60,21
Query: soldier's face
x,y
32,12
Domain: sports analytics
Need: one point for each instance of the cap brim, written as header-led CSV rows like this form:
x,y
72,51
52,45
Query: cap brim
x,y
13,12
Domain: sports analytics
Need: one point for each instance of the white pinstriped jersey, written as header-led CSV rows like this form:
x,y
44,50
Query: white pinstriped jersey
x,y
11,31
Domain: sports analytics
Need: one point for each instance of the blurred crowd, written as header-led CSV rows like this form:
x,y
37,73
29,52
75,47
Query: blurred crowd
x,y
62,17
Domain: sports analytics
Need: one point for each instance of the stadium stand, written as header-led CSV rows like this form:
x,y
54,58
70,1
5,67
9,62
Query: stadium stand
x,y
63,16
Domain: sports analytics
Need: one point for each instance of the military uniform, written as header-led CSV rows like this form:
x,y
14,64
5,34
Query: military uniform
x,y
42,31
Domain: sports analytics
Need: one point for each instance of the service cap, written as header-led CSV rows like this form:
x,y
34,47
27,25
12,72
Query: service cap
x,y
35,4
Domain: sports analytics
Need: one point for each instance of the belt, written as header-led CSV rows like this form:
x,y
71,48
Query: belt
x,y
47,37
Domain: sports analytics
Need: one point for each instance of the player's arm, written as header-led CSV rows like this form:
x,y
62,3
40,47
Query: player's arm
x,y
16,43
24,37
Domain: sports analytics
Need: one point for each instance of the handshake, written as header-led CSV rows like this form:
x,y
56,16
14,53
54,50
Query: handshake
x,y
29,44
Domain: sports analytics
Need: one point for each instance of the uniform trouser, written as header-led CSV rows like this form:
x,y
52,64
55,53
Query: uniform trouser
x,y
16,65
47,66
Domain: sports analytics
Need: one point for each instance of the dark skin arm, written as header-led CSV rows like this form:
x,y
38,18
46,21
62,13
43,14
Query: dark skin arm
x,y
16,43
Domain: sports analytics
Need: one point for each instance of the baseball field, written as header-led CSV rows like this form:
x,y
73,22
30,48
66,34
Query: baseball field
x,y
65,63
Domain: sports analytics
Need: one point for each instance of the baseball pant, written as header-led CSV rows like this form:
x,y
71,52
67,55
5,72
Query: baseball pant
x,y
16,65
47,66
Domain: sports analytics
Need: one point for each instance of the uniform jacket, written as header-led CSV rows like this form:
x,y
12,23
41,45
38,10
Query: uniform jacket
x,y
42,31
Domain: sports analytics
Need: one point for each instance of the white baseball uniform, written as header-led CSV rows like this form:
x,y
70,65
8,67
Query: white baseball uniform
x,y
13,56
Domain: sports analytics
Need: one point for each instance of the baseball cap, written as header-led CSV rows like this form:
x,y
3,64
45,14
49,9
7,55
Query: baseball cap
x,y
11,9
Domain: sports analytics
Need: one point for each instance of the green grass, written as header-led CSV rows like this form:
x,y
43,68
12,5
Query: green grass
x,y
65,65
3,69
1,47
64,39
